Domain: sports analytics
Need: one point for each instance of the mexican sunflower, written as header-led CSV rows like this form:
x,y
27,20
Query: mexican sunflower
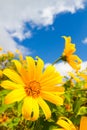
x,y
33,84
73,60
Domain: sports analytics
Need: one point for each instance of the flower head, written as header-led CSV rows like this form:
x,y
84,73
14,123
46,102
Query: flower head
x,y
33,85
73,60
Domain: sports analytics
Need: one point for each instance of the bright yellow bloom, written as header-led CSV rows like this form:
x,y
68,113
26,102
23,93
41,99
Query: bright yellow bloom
x,y
83,123
65,123
73,60
33,85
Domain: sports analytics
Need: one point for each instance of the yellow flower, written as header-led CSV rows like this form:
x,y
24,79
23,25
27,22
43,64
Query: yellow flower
x,y
83,123
10,54
20,55
1,49
84,77
33,85
4,118
73,60
74,76
1,73
65,123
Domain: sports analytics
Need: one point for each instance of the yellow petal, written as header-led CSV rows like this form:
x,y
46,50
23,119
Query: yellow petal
x,y
69,50
66,123
75,58
35,110
39,68
15,95
55,99
30,109
50,77
24,75
74,65
13,76
52,82
69,47
83,123
44,107
85,86
17,64
48,71
22,71
1,73
7,84
67,39
58,89
27,108
58,129
31,67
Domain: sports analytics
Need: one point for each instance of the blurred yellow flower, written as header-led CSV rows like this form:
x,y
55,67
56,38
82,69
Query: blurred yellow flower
x,y
73,60
1,73
34,85
10,54
83,123
1,49
74,76
65,123
83,76
4,118
20,55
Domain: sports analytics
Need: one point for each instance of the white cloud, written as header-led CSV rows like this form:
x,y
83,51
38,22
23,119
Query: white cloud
x,y
84,41
21,35
7,43
84,65
64,68
14,14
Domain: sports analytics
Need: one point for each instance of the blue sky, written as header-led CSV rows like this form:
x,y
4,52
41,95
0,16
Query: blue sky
x,y
47,43
36,29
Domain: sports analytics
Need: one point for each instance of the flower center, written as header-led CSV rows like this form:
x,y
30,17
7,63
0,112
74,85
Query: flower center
x,y
33,89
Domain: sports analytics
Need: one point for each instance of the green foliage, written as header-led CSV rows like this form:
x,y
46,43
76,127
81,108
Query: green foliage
x,y
74,106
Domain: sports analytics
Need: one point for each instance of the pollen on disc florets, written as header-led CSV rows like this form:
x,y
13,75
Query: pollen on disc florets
x,y
33,89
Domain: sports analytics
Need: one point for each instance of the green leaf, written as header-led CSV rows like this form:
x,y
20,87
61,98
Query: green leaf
x,y
77,104
82,110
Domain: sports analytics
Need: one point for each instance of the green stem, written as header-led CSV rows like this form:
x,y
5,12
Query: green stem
x,y
57,60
